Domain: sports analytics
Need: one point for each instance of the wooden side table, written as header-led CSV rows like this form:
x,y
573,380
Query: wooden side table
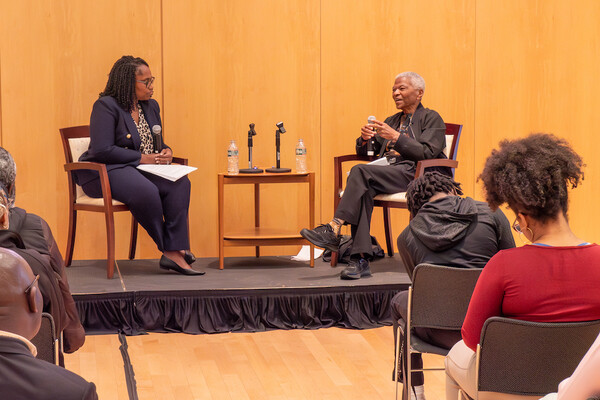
x,y
259,236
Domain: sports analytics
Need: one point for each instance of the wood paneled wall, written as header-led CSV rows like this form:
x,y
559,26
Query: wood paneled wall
x,y
503,70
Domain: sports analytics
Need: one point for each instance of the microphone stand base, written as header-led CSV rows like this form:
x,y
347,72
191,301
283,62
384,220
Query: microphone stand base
x,y
251,171
278,170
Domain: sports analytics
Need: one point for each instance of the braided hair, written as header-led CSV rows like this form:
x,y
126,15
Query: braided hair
x,y
424,187
532,175
121,81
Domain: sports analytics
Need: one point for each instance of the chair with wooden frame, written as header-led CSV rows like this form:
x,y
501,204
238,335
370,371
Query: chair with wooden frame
x,y
75,142
395,200
519,359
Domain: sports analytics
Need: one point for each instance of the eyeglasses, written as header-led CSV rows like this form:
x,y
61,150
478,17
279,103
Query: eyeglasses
x,y
148,82
28,288
516,226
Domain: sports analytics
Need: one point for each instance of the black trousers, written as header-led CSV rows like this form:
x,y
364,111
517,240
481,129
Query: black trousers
x,y
159,205
438,337
363,184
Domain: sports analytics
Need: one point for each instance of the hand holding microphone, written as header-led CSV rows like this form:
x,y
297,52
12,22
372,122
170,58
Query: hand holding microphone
x,y
162,155
370,144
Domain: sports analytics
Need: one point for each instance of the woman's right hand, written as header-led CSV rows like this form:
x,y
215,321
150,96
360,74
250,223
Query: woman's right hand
x,y
367,132
148,159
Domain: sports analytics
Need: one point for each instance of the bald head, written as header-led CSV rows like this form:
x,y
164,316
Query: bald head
x,y
20,312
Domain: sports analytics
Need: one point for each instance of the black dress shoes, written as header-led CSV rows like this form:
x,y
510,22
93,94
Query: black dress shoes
x,y
189,257
168,264
322,236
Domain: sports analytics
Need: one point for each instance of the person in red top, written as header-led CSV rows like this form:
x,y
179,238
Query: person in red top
x,y
553,279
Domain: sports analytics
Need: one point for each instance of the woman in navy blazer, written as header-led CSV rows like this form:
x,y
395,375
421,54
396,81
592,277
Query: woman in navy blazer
x,y
121,138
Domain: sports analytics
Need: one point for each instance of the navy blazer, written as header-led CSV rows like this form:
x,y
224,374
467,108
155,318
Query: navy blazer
x,y
114,139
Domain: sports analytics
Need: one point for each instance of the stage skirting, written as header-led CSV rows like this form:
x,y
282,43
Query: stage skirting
x,y
251,294
236,311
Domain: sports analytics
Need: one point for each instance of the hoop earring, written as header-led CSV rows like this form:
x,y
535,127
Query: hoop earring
x,y
532,234
524,241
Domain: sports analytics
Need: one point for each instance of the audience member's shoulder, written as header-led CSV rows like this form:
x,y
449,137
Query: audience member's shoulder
x,y
64,383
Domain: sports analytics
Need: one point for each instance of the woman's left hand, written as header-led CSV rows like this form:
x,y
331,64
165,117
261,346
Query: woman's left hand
x,y
385,131
164,157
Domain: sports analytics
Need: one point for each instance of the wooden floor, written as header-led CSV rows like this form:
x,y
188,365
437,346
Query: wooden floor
x,y
297,364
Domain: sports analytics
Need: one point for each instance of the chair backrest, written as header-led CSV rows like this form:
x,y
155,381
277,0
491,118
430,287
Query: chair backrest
x,y
452,137
75,140
530,358
441,295
45,340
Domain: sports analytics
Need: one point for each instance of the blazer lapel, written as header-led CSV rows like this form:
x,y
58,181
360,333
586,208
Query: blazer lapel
x,y
135,136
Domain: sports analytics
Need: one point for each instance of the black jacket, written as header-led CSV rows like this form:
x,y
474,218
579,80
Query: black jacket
x,y
426,138
30,236
114,139
24,377
456,232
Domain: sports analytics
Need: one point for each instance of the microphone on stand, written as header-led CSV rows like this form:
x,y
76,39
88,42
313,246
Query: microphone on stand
x,y
250,169
278,132
157,138
370,149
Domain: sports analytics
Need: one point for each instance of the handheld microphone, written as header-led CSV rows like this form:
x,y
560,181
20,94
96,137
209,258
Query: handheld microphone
x,y
157,138
280,126
370,150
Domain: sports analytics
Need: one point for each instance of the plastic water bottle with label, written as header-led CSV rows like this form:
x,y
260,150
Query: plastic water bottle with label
x,y
301,157
233,167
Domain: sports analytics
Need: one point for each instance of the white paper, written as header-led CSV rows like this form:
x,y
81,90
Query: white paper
x,y
304,254
171,172
380,161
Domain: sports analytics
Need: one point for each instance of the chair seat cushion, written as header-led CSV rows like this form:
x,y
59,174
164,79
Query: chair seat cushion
x,y
91,201
399,197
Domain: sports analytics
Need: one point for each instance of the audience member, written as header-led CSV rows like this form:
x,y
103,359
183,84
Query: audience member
x,y
30,235
449,230
23,377
415,133
553,279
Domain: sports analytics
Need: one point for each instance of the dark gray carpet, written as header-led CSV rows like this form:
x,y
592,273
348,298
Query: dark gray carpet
x,y
89,276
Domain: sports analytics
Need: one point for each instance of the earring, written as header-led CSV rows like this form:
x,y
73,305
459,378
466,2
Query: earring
x,y
532,235
525,241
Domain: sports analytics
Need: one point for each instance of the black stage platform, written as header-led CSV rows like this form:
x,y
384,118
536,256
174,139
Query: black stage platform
x,y
250,294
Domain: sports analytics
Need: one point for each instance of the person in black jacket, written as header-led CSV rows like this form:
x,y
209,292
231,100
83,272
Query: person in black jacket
x,y
30,236
22,376
415,133
121,126
448,230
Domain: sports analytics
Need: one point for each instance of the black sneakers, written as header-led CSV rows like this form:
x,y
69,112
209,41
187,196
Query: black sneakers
x,y
322,236
356,270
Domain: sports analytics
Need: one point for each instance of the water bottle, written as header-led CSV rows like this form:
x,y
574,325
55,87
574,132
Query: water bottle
x,y
301,157
233,167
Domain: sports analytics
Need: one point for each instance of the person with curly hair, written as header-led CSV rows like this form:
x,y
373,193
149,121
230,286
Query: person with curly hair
x,y
450,230
553,279
120,137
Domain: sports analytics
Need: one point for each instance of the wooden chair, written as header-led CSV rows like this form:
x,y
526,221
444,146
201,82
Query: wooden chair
x,y
438,298
396,200
521,359
75,142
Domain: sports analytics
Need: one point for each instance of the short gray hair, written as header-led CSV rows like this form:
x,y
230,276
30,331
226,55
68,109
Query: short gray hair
x,y
8,174
415,79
